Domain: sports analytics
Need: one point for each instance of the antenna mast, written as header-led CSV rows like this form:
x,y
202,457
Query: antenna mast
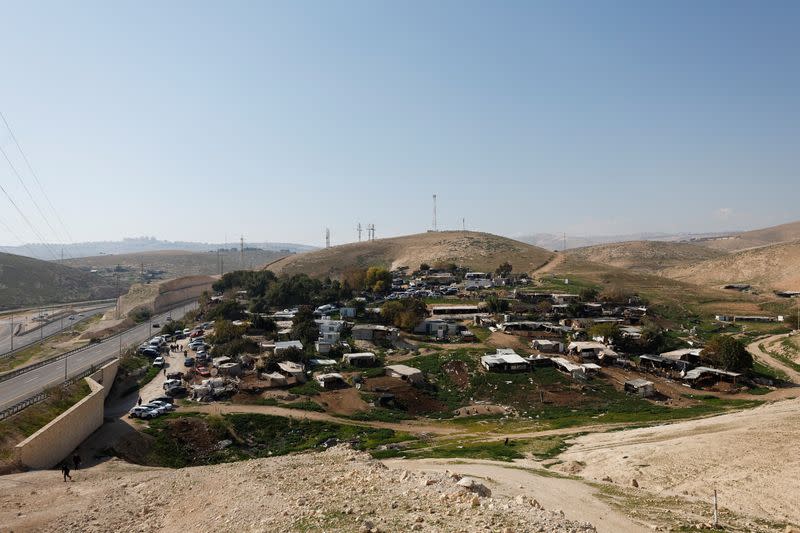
x,y
241,250
434,213
358,229
564,249
327,238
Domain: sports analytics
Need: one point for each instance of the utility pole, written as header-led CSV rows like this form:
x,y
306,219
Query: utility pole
x,y
241,250
12,332
716,515
327,238
434,213
219,262
564,248
463,224
358,229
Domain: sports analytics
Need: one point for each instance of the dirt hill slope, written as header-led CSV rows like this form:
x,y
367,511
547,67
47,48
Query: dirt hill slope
x,y
760,237
28,282
645,256
775,267
336,490
478,251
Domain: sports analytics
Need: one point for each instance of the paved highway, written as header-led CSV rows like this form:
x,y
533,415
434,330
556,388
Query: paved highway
x,y
25,385
48,329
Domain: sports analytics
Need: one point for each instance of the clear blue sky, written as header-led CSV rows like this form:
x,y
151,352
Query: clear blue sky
x,y
196,120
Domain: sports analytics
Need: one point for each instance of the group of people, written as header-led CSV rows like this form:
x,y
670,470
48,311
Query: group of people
x,y
65,468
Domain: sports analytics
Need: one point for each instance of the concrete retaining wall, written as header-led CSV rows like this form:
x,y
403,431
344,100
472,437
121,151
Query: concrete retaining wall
x,y
55,441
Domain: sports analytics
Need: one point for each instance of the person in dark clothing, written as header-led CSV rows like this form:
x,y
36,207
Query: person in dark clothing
x,y
140,401
76,461
506,442
65,471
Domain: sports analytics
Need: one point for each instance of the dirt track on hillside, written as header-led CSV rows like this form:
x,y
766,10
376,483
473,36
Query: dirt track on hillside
x,y
750,457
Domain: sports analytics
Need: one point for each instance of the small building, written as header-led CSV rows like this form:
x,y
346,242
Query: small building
x,y
323,347
285,345
321,362
359,359
329,326
331,380
292,369
689,355
504,360
437,327
547,346
374,332
347,312
456,310
697,376
406,373
640,387
274,379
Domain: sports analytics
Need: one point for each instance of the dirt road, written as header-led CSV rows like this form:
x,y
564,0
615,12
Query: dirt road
x,y
768,359
554,262
575,498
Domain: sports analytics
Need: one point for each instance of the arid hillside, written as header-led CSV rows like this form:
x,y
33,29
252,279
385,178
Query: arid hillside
x,y
478,251
171,263
775,267
28,282
645,256
752,239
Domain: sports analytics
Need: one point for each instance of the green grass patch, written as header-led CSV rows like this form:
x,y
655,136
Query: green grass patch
x,y
306,405
187,439
309,388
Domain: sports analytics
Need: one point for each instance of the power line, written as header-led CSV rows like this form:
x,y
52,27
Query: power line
x,y
28,222
22,182
36,179
14,234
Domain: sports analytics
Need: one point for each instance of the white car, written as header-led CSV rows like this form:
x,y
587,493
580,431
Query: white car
x,y
161,410
172,383
165,405
159,361
140,411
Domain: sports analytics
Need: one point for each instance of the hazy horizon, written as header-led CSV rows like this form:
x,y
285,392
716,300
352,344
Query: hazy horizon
x,y
197,123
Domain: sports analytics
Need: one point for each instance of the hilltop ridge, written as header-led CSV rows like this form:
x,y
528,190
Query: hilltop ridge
x,y
478,251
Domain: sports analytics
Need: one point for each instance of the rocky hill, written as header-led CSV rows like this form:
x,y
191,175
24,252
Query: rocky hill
x,y
478,251
336,490
29,282
775,267
645,256
752,239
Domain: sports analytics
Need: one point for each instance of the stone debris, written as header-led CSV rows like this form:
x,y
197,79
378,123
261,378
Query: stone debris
x,y
337,490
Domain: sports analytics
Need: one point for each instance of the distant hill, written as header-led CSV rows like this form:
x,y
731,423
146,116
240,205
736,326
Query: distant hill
x,y
478,251
143,244
551,241
28,282
774,267
169,264
645,256
753,239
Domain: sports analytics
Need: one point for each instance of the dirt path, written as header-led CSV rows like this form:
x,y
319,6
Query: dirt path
x,y
769,360
577,500
299,414
554,262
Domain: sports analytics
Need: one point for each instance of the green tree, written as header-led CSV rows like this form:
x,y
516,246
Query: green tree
x,y
504,270
608,331
378,280
225,331
304,328
496,304
424,267
588,294
404,314
226,310
728,353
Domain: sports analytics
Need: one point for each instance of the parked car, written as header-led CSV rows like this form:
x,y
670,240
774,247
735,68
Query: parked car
x,y
162,404
187,331
176,391
189,361
170,383
151,352
163,398
196,333
140,411
179,335
175,375
158,408
159,361
203,371
156,325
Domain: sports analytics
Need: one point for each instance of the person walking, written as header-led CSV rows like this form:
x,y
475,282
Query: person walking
x,y
65,471
139,402
76,461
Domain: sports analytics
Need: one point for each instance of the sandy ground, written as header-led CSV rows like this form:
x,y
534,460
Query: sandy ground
x,y
750,457
336,490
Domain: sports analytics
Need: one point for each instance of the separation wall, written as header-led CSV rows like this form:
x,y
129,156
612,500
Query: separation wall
x,y
55,441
